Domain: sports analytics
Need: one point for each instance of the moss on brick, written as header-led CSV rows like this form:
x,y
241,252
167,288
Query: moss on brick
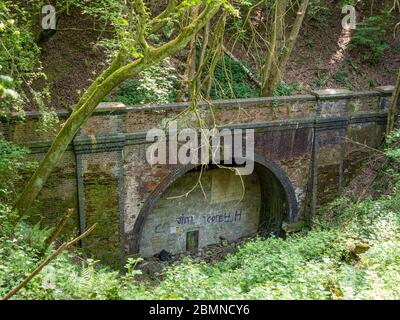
x,y
101,207
57,196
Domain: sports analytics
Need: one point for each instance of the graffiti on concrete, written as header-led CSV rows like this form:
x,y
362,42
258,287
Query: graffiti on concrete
x,y
185,220
227,217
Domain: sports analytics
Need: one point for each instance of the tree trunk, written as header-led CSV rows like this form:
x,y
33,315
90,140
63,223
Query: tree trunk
x,y
272,59
274,75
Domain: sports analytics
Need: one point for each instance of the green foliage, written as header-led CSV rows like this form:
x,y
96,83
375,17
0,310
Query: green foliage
x,y
20,59
231,81
392,151
156,85
372,83
6,85
316,7
19,52
370,35
7,94
241,34
319,12
342,76
12,164
284,89
61,279
102,10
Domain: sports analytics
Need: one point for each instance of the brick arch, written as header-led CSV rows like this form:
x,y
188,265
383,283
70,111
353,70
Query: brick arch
x,y
275,185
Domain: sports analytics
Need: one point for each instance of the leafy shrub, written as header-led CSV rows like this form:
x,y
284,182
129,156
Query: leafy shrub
x,y
342,77
319,12
20,59
316,6
370,34
392,150
156,85
231,81
12,164
284,89
19,53
7,94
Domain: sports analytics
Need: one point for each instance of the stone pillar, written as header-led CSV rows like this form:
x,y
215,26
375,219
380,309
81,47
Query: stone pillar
x,y
100,182
386,97
330,125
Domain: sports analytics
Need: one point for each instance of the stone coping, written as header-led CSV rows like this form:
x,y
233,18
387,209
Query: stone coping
x,y
333,94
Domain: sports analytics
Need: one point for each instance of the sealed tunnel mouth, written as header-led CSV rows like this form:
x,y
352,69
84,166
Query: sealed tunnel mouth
x,y
177,219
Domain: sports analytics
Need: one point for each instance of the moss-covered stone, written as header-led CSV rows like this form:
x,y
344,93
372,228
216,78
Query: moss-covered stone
x,y
101,207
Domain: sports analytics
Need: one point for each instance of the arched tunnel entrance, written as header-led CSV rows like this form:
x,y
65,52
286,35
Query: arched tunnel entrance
x,y
226,207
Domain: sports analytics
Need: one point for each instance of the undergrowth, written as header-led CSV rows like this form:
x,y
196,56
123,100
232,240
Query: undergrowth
x,y
231,81
156,85
370,35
